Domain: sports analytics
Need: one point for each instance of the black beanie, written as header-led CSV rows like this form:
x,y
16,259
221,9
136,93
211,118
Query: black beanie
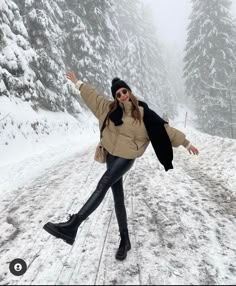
x,y
117,84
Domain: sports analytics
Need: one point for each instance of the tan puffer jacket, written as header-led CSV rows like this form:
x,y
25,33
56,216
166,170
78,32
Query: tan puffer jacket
x,y
130,139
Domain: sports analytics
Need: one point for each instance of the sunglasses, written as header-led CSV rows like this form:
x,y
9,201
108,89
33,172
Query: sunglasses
x,y
119,94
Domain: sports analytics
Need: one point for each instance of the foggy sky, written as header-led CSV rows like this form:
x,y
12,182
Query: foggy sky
x,y
171,18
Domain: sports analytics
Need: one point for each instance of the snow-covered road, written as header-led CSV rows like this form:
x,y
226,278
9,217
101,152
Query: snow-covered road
x,y
182,223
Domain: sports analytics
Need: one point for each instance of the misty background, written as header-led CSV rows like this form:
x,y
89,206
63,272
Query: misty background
x,y
170,52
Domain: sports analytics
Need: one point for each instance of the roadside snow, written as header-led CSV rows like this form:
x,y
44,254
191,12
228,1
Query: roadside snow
x,y
32,141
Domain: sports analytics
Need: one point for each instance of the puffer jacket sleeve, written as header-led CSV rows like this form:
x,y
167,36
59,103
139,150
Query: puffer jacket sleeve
x,y
177,137
95,102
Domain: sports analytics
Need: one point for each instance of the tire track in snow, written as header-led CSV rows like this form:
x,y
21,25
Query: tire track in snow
x,y
143,231
217,191
132,184
219,204
211,207
83,233
178,240
48,207
91,246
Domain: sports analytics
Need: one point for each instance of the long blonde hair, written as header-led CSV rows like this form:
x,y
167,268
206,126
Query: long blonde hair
x,y
135,112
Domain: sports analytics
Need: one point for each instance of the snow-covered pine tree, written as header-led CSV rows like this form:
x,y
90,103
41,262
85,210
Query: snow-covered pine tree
x,y
125,18
87,41
41,19
141,61
114,44
210,60
16,54
173,58
97,16
156,85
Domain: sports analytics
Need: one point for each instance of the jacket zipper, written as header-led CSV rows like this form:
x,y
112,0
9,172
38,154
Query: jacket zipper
x,y
135,143
116,140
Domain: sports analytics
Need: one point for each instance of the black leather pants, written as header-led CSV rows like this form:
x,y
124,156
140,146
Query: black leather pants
x,y
116,168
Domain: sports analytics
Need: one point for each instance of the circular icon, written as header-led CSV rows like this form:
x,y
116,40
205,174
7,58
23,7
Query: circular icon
x,y
18,267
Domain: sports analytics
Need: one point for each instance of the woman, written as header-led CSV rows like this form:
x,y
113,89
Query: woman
x,y
129,128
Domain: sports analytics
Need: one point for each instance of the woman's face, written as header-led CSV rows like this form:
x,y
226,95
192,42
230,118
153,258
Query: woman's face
x,y
123,94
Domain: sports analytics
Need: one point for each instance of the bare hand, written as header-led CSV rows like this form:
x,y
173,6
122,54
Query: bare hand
x,y
193,150
71,76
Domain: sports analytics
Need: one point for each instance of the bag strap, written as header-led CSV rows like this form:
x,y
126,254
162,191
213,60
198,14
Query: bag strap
x,y
103,125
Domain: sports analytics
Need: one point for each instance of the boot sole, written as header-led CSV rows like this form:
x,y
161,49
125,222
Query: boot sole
x,y
50,229
123,257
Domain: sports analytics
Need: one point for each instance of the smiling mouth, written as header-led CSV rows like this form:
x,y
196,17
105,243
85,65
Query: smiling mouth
x,y
125,98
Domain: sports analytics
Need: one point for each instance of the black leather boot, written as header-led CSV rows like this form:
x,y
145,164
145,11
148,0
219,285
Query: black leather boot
x,y
124,245
65,230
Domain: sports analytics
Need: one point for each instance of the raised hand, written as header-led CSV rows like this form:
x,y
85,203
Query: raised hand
x,y
71,76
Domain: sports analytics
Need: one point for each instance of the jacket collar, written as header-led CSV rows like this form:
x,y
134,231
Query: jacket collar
x,y
126,106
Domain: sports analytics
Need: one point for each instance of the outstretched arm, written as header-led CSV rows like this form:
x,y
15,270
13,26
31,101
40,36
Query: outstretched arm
x,y
178,138
95,102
